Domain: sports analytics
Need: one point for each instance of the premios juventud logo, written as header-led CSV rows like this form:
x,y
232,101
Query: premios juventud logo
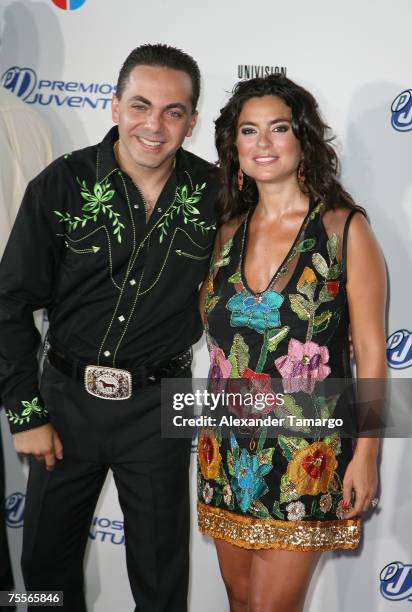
x,y
24,82
14,510
69,5
399,349
401,111
396,581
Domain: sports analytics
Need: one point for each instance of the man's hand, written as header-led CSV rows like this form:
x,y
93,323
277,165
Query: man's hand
x,y
42,442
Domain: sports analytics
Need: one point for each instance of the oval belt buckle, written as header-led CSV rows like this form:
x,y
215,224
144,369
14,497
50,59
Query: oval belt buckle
x,y
108,383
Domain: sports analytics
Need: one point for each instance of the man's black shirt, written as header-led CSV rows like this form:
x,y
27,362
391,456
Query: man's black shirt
x,y
120,287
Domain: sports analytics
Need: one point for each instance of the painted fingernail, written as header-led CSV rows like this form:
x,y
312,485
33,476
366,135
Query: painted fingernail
x,y
345,505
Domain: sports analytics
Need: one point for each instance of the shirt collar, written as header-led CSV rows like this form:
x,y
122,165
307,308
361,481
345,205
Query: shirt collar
x,y
106,161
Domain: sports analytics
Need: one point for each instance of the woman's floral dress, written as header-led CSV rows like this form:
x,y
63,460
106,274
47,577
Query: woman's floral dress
x,y
283,492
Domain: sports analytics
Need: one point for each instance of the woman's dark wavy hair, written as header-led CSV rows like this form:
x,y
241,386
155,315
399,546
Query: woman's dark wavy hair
x,y
321,163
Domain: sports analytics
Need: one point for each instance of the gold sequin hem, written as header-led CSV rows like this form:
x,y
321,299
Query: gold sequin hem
x,y
253,533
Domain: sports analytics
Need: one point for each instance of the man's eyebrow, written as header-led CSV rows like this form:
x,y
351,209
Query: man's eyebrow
x,y
279,120
140,99
177,105
169,106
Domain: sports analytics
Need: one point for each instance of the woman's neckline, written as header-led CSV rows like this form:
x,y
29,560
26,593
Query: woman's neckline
x,y
285,260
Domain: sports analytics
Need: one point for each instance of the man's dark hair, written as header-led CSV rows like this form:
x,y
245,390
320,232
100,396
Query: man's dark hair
x,y
160,55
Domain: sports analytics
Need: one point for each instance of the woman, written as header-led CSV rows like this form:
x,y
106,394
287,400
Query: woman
x,y
295,261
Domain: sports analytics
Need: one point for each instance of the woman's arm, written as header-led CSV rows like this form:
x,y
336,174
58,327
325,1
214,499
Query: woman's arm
x,y
366,291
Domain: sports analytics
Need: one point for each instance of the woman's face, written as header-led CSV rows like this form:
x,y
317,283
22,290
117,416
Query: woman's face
x,y
267,148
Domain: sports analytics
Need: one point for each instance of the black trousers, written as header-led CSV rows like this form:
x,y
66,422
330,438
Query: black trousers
x,y
151,476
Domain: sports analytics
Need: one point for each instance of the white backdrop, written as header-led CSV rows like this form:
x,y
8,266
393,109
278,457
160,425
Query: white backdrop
x,y
354,57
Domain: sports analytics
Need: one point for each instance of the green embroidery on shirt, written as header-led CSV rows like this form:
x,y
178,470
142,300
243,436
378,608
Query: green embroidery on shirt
x,y
95,204
185,204
30,409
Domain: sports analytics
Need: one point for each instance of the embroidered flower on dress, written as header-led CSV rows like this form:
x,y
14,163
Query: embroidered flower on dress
x,y
325,502
307,276
312,467
248,483
333,287
220,369
210,300
223,259
340,511
208,454
260,383
261,380
227,494
296,511
258,312
207,493
304,364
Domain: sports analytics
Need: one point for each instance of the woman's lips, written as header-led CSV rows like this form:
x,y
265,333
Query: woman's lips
x,y
265,160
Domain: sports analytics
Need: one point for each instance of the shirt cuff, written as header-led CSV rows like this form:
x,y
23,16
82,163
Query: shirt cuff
x,y
24,414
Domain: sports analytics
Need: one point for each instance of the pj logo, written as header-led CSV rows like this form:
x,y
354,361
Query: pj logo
x,y
14,510
396,581
21,81
402,111
399,349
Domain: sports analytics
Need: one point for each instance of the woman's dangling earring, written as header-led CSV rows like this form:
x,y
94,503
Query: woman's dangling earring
x,y
301,172
240,179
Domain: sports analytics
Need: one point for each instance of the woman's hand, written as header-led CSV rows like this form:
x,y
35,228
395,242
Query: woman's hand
x,y
361,476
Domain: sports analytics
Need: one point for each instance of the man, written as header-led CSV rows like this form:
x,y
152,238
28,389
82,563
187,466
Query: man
x,y
113,240
25,150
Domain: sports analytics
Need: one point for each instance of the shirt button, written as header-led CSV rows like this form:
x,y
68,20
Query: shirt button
x,y
121,318
136,206
132,282
159,210
107,353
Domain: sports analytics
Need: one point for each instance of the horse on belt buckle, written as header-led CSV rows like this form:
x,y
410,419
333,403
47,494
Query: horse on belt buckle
x,y
108,383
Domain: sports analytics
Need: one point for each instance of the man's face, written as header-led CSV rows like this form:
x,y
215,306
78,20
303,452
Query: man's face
x,y
154,115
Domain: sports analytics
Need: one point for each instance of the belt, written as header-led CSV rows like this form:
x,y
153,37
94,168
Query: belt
x,y
117,383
